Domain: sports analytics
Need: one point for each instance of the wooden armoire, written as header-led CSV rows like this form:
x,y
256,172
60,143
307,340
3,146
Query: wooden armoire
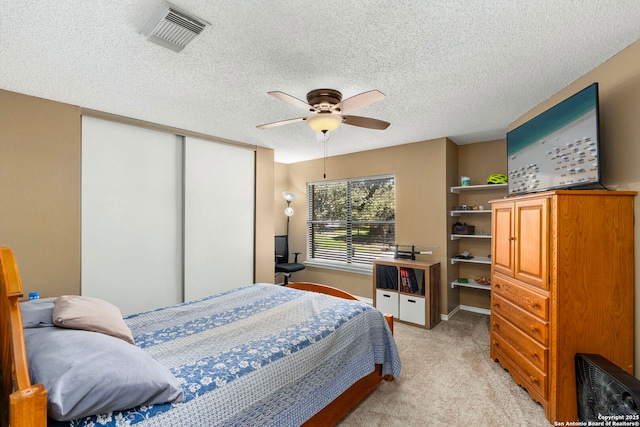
x,y
562,283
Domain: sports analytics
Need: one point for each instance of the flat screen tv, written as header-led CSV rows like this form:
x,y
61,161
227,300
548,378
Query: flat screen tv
x,y
558,148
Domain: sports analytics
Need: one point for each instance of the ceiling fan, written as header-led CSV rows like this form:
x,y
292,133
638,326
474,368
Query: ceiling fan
x,y
328,106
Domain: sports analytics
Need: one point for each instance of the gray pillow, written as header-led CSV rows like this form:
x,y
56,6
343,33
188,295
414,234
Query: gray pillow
x,y
37,313
87,373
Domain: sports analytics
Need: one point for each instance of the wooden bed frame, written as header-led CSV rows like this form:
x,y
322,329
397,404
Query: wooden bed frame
x,y
25,404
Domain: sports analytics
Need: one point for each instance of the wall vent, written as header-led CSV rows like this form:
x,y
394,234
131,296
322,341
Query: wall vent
x,y
173,28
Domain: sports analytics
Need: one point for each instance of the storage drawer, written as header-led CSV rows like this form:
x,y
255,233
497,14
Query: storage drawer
x,y
532,301
387,302
527,323
525,374
412,309
530,350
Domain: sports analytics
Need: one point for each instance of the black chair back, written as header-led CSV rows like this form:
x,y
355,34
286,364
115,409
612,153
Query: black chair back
x,y
282,258
282,249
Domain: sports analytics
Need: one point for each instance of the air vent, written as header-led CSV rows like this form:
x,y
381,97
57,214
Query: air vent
x,y
173,28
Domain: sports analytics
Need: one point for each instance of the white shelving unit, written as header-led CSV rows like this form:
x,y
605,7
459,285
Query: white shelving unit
x,y
489,188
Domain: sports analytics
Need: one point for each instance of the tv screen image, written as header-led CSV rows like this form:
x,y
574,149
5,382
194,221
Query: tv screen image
x,y
558,148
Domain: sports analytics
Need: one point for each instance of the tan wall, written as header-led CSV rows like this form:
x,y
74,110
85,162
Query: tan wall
x,y
264,216
281,183
619,85
40,161
421,182
40,191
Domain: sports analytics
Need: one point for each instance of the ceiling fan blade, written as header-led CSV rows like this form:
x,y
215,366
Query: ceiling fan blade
x,y
359,101
280,123
365,122
291,100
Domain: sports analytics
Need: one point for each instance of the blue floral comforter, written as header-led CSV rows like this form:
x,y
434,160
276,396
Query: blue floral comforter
x,y
261,355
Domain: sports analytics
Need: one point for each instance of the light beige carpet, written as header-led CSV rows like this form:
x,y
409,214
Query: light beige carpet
x,y
448,379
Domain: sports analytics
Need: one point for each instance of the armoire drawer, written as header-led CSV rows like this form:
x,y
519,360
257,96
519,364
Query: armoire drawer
x,y
529,324
528,348
532,301
525,374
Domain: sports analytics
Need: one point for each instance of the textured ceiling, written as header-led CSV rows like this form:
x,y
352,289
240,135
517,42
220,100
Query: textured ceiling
x,y
458,68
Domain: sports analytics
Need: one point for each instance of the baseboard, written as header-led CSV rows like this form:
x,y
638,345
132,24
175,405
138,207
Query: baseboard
x,y
475,309
451,314
465,308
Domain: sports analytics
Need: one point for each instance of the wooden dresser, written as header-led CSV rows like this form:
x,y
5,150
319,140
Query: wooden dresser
x,y
562,283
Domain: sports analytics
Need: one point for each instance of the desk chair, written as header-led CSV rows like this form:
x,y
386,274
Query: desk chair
x,y
282,258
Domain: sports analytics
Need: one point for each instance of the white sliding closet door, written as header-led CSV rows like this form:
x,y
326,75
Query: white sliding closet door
x,y
131,215
219,217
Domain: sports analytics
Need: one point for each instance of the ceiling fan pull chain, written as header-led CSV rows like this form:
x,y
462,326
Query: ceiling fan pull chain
x,y
324,165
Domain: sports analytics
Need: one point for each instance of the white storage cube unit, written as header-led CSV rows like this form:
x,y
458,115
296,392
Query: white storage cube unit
x,y
408,289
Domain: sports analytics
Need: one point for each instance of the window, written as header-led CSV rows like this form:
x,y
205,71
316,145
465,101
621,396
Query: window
x,y
350,221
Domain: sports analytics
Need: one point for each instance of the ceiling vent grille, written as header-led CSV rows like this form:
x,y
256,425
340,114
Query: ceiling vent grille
x,y
173,28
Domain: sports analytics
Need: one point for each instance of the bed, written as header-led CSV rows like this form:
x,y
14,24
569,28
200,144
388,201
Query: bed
x,y
304,354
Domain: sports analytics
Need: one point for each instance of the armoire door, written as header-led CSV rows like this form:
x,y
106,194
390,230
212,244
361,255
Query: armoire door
x,y
502,241
532,241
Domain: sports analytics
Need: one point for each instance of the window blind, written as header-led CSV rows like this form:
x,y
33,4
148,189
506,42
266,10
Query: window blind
x,y
350,221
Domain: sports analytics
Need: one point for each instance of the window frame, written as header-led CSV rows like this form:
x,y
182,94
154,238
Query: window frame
x,y
348,266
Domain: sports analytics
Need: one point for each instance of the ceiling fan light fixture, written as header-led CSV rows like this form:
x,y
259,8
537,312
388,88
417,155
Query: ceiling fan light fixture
x,y
324,122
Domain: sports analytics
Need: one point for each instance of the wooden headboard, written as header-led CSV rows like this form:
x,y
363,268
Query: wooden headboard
x,y
23,404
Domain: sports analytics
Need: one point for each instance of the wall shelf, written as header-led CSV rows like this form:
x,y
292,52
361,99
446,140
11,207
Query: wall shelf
x,y
470,236
458,213
485,187
474,260
472,284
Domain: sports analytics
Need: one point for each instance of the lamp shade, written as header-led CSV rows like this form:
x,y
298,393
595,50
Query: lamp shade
x,y
324,122
289,195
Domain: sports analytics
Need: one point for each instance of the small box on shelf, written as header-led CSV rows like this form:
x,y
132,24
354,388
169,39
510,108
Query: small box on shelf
x,y
459,228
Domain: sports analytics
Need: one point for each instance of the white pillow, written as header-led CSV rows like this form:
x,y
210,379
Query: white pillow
x,y
90,314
